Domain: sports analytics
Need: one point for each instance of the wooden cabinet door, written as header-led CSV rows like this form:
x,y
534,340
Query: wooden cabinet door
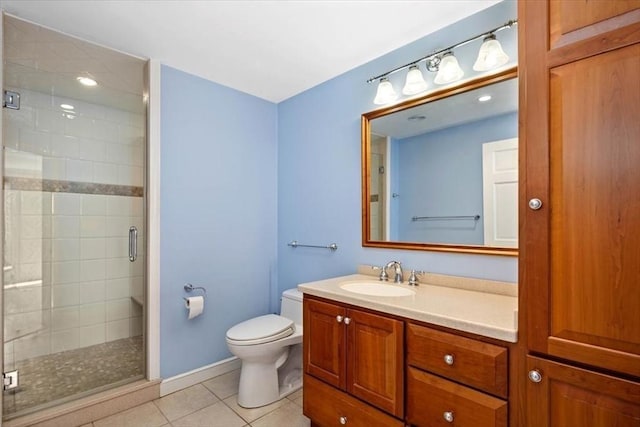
x,y
324,343
375,360
569,397
581,114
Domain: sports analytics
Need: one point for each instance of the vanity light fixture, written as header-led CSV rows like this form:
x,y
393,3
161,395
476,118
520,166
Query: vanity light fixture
x,y
484,98
443,61
415,81
86,81
491,54
449,70
385,93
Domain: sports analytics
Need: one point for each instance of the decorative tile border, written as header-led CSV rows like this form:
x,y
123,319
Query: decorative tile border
x,y
58,186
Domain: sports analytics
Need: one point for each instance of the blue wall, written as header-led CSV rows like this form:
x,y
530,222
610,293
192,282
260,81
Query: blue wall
x,y
218,214
242,177
447,180
319,168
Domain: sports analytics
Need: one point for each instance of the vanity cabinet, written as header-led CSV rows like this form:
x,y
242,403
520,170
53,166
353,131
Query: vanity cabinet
x,y
453,380
357,352
580,204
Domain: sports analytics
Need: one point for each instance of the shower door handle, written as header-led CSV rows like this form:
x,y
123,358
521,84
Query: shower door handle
x,y
133,243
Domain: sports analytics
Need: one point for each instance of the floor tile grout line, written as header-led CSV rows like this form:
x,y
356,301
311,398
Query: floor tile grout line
x,y
160,410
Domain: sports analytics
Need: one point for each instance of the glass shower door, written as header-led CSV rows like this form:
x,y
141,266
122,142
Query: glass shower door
x,y
73,207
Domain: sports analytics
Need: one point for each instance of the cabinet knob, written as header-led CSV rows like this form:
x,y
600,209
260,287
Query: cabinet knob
x,y
535,376
448,416
347,320
339,318
343,420
535,204
448,359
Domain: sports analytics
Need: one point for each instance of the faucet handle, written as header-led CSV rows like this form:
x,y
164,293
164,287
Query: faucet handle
x,y
413,279
383,273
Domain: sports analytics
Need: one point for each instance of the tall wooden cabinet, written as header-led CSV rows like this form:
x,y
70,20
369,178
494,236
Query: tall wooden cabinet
x,y
580,210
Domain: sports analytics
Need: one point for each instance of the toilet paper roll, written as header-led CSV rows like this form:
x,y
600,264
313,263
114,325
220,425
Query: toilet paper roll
x,y
195,305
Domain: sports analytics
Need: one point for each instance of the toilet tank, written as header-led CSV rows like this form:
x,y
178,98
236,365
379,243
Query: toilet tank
x,y
291,305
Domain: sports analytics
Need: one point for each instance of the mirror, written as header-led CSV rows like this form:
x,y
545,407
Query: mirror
x,y
440,172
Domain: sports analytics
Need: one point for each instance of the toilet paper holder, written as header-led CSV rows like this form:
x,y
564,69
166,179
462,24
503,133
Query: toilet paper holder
x,y
188,287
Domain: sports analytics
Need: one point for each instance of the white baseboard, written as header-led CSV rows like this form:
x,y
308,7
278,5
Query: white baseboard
x,y
182,381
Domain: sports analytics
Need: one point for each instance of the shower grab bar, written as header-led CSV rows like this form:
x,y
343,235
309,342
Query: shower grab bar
x,y
451,217
133,243
295,244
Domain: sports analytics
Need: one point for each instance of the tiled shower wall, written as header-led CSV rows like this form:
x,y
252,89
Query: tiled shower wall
x,y
68,280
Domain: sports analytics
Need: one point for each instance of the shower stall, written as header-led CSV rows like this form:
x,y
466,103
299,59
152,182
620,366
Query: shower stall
x,y
74,150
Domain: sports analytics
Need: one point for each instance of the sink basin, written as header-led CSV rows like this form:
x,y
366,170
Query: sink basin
x,y
378,289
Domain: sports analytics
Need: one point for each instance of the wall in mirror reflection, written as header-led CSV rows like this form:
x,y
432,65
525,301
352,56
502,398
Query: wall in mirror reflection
x,y
430,187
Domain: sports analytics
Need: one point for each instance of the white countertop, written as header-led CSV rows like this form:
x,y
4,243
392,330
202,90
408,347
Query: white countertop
x,y
484,313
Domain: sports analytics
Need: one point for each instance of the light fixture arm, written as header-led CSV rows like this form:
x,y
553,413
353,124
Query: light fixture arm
x,y
436,54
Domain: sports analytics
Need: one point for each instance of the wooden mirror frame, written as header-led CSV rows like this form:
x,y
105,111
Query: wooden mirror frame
x,y
366,168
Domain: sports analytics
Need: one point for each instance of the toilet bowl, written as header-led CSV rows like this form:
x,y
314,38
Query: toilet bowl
x,y
270,348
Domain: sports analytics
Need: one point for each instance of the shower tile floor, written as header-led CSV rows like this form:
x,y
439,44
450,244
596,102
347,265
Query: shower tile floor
x,y
57,376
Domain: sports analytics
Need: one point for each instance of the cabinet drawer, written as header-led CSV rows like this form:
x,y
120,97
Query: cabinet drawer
x,y
474,363
436,402
328,406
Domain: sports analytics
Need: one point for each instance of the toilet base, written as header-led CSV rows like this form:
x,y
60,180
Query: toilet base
x,y
261,392
265,383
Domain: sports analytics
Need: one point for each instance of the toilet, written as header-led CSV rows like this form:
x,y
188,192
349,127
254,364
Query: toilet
x,y
270,348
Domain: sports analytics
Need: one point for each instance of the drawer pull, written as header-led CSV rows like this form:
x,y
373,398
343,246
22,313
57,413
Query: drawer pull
x,y
535,376
343,420
448,416
339,319
347,320
448,359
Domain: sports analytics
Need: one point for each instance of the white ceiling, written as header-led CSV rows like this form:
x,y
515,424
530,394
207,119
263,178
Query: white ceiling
x,y
270,49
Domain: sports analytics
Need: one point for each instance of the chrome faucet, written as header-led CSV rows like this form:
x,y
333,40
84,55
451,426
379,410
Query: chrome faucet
x,y
397,270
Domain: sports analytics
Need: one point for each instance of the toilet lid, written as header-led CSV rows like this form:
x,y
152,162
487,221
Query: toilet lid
x,y
258,330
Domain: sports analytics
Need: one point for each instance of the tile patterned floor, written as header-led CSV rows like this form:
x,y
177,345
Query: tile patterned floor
x,y
209,404
48,379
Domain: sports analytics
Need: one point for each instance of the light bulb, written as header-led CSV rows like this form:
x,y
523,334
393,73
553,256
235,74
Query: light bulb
x,y
415,82
87,81
385,93
449,70
490,55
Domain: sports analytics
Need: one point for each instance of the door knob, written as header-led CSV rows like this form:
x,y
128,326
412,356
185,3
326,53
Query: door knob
x,y
448,359
347,320
343,420
535,204
339,318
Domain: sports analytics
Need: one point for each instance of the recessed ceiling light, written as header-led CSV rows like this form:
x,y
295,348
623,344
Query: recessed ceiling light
x,y
86,81
66,106
484,98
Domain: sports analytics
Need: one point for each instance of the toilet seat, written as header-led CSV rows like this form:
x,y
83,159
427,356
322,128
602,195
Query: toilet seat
x,y
260,330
